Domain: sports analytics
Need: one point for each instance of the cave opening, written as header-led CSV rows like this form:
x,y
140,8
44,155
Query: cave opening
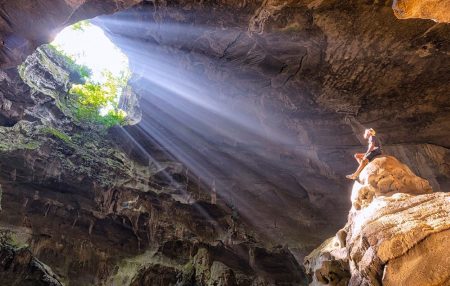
x,y
101,72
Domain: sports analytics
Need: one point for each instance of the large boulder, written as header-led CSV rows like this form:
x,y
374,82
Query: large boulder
x,y
398,233
328,264
385,176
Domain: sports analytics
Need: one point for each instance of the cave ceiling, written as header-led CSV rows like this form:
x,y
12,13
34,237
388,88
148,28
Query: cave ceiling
x,y
295,84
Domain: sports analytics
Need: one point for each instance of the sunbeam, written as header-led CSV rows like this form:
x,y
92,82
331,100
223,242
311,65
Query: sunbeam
x,y
189,112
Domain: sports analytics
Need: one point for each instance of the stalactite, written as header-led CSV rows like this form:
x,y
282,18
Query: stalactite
x,y
213,193
47,210
75,221
91,226
14,175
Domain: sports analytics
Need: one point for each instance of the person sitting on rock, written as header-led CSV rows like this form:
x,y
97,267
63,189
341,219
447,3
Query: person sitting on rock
x,y
373,150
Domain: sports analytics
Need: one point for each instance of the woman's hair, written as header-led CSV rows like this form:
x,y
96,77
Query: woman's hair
x,y
371,131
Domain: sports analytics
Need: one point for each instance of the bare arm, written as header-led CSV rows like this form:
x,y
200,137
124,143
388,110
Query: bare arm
x,y
371,146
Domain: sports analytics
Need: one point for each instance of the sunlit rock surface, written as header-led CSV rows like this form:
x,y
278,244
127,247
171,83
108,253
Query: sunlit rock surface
x,y
386,176
426,263
397,235
437,10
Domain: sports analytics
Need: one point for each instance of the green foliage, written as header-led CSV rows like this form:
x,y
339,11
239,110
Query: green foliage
x,y
58,134
31,145
92,99
83,71
80,26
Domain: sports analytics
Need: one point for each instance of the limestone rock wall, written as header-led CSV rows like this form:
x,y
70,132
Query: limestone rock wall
x,y
392,227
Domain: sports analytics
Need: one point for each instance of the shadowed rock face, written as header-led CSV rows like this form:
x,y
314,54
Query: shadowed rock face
x,y
305,78
25,25
19,267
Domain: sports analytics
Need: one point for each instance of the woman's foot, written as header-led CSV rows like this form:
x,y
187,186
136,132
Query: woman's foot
x,y
351,177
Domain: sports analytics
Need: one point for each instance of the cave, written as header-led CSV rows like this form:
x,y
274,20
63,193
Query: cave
x,y
208,142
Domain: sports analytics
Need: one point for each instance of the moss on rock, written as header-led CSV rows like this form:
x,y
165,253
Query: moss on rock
x,y
57,134
18,137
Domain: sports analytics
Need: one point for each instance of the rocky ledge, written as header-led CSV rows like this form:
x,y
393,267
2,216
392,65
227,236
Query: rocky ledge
x,y
21,268
398,233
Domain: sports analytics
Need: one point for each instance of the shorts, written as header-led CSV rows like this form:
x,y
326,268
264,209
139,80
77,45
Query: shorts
x,y
372,154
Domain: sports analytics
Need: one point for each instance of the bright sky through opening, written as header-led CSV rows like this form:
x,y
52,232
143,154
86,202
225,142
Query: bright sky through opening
x,y
89,46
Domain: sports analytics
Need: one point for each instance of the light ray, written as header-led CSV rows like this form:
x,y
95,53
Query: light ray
x,y
218,128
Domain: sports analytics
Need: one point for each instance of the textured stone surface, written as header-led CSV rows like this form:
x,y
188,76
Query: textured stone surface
x,y
385,176
391,226
20,268
426,263
437,10
328,264
398,237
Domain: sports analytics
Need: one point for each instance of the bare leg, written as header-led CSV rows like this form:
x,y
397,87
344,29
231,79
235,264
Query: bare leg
x,y
355,175
359,157
361,161
364,162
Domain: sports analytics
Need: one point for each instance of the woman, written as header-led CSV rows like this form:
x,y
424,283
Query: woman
x,y
373,150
